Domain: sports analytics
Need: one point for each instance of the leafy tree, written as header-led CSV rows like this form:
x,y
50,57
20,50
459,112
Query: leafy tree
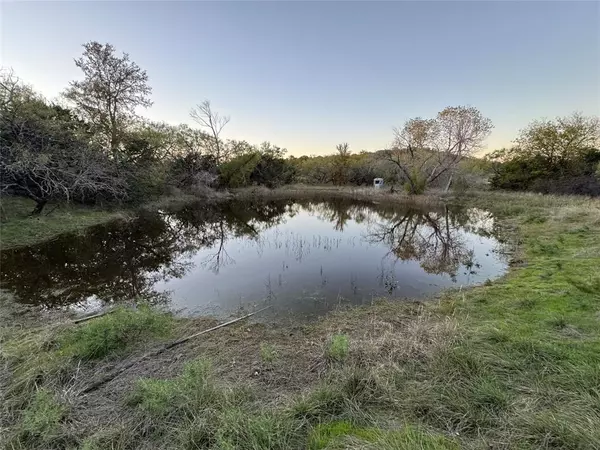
x,y
236,148
560,142
46,152
192,140
112,89
549,153
341,164
272,169
263,165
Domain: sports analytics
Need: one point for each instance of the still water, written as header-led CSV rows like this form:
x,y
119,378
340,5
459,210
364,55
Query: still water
x,y
303,257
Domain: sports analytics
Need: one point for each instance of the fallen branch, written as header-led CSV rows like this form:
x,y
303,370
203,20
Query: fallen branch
x,y
112,375
52,210
93,316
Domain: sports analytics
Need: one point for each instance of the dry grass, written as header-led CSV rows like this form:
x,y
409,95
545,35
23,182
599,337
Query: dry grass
x,y
432,198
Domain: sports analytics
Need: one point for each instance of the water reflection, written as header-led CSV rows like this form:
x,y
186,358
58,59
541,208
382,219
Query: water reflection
x,y
275,250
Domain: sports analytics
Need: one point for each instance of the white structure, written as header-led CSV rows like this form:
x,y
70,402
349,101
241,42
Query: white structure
x,y
377,182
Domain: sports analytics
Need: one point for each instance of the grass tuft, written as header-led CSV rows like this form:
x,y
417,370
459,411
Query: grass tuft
x,y
343,435
195,389
239,430
42,418
268,353
115,332
337,348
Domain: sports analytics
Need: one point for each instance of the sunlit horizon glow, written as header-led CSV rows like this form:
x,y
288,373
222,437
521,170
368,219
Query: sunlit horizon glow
x,y
307,76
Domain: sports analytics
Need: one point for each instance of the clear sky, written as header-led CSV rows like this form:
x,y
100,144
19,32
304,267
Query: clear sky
x,y
308,75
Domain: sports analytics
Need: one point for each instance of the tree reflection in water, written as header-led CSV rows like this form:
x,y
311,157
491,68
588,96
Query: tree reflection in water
x,y
125,260
435,239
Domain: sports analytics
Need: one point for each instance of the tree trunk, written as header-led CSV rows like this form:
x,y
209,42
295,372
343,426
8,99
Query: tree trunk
x,y
449,183
39,207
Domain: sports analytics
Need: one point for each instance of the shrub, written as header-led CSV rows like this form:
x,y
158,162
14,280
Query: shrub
x,y
460,184
265,167
418,185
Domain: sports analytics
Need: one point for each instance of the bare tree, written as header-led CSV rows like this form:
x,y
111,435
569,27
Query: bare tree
x,y
214,122
433,238
425,149
410,153
112,88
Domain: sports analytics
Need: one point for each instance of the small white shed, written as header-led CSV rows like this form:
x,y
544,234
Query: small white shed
x,y
377,182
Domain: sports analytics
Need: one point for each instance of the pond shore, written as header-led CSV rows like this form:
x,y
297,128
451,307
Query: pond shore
x,y
19,228
509,364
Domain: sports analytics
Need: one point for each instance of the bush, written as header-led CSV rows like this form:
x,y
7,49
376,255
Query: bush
x,y
193,169
576,185
256,168
418,185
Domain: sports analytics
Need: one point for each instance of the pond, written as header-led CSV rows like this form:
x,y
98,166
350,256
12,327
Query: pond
x,y
302,257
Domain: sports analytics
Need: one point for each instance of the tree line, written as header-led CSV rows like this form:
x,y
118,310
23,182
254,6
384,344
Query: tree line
x,y
92,146
560,156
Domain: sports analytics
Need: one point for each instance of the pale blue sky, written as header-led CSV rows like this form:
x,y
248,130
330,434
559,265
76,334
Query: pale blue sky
x,y
308,75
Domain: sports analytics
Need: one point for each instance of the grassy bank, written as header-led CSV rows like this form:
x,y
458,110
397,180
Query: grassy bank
x,y
324,192
512,364
19,228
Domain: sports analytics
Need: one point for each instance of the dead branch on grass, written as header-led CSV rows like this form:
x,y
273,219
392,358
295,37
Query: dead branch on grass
x,y
112,375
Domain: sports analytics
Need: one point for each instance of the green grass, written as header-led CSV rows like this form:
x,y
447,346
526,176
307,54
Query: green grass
x,y
180,398
197,411
344,435
40,362
114,332
18,228
41,418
